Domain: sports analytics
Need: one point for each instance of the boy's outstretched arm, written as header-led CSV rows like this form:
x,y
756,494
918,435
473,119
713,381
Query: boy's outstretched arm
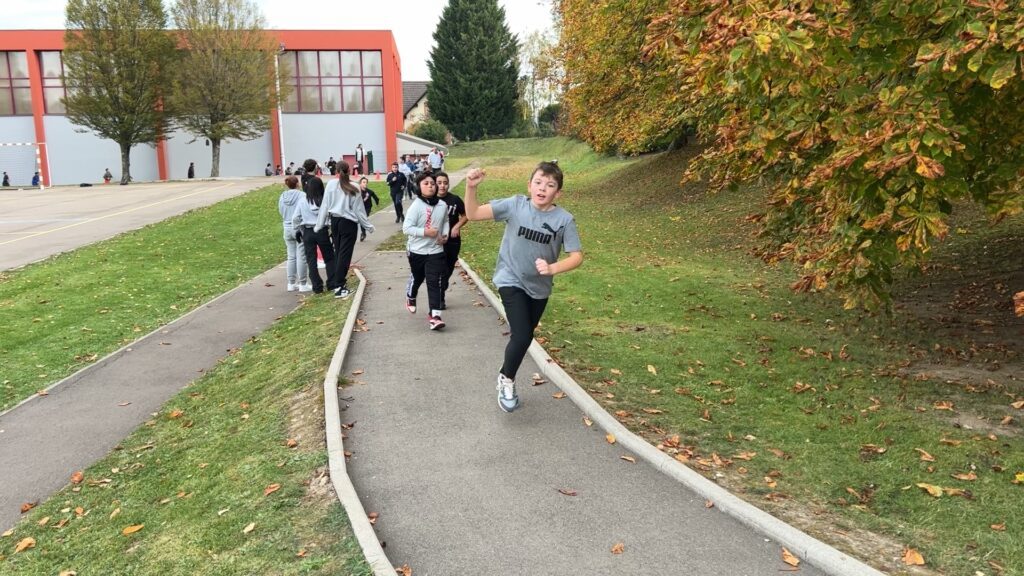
x,y
571,262
474,211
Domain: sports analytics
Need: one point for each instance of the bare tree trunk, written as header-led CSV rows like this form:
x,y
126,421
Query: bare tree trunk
x,y
215,165
126,164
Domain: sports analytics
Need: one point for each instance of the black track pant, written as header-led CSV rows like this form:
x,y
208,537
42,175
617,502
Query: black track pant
x,y
451,256
396,199
523,314
343,234
427,268
310,241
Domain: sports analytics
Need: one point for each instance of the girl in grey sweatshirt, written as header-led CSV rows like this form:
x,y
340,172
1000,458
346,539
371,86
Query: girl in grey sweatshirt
x,y
287,204
426,225
344,205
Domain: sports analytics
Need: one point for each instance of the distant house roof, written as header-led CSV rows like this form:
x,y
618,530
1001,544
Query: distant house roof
x,y
412,93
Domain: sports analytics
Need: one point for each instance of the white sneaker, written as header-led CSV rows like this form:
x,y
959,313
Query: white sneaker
x,y
293,287
305,287
508,400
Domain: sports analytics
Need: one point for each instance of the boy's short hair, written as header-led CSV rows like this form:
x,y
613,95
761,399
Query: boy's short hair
x,y
291,182
551,170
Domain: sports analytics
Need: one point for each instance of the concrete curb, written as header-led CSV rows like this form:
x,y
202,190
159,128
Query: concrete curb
x,y
111,356
805,547
361,526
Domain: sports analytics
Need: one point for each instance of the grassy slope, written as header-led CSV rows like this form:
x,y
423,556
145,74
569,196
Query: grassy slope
x,y
60,314
195,476
744,366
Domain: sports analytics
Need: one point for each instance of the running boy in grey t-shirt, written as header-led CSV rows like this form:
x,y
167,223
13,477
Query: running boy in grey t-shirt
x,y
536,232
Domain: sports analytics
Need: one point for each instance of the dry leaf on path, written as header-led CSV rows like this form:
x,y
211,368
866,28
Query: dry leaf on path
x,y
1018,303
912,557
132,529
610,438
619,548
291,443
567,491
789,558
932,489
77,477
404,570
629,459
558,395
271,489
357,372
587,421
28,506
924,455
372,517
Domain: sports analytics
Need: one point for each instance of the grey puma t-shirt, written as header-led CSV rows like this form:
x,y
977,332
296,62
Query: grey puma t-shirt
x,y
531,234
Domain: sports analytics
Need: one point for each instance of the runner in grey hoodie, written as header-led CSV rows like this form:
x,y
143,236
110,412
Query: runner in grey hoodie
x,y
298,273
344,204
426,225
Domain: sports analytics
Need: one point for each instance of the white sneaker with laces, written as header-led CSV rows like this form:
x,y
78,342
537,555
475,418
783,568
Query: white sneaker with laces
x,y
305,287
293,287
508,400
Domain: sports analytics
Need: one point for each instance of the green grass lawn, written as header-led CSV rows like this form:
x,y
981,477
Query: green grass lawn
x,y
230,477
827,418
67,311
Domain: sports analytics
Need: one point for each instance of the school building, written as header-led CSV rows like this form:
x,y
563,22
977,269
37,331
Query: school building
x,y
346,91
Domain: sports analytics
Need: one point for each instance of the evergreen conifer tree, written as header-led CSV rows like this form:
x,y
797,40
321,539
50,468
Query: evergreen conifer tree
x,y
474,68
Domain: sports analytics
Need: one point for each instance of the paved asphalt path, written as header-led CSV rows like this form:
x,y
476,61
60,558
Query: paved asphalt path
x,y
461,487
36,224
43,441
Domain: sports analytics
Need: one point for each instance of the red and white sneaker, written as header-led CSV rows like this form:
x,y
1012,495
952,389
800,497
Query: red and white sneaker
x,y
435,322
410,305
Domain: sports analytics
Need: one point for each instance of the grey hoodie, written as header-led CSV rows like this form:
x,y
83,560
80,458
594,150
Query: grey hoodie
x,y
287,204
415,224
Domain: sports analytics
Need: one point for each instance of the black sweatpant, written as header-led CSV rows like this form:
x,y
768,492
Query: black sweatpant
x,y
343,234
396,199
427,268
451,256
523,314
310,241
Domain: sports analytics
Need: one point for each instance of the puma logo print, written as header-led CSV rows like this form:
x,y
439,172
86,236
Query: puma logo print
x,y
537,235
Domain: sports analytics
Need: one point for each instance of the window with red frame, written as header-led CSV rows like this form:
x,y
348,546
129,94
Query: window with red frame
x,y
333,81
52,65
15,94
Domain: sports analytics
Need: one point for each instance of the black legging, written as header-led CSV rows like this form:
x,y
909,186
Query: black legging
x,y
523,314
343,235
427,268
310,241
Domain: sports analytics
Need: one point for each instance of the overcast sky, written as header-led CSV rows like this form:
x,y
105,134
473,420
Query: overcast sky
x,y
412,21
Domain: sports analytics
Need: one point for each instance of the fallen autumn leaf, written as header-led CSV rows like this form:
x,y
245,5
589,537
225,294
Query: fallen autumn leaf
x,y
25,544
789,558
618,548
132,529
912,557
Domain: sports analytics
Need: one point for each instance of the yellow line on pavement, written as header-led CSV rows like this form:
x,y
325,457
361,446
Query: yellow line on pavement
x,y
164,201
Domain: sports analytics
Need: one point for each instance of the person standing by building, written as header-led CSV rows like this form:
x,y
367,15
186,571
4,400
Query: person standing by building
x,y
344,205
305,221
536,232
7,180
107,176
426,225
456,220
296,265
396,185
359,158
332,166
369,199
191,170
434,160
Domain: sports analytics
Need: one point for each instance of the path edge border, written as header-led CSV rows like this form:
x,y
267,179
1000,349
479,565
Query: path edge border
x,y
815,552
343,487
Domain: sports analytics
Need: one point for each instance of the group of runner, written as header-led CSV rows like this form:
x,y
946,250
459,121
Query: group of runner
x,y
537,231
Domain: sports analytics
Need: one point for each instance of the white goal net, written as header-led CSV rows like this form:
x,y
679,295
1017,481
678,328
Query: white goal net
x,y
20,162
